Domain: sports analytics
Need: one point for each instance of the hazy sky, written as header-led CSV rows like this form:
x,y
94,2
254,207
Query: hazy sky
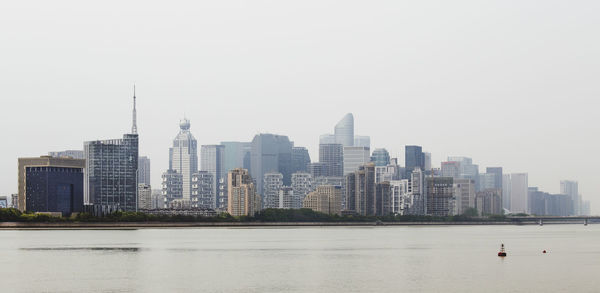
x,y
508,83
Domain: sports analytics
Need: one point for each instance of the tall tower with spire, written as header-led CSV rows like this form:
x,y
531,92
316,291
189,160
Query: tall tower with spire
x,y
134,118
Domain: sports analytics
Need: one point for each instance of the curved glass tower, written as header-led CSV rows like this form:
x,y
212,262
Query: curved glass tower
x,y
344,131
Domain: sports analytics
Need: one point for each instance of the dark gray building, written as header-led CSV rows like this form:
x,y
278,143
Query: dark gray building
x,y
413,157
271,153
236,155
144,170
440,195
332,155
497,173
300,159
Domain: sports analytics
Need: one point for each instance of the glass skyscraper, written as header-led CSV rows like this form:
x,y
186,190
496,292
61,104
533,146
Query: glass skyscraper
x,y
271,153
183,156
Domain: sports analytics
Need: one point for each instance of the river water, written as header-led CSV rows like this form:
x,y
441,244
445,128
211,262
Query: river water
x,y
327,259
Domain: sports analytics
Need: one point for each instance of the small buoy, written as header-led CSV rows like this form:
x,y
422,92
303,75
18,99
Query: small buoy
x,y
502,252
544,251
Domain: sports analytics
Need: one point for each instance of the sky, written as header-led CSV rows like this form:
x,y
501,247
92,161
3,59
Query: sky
x,y
507,83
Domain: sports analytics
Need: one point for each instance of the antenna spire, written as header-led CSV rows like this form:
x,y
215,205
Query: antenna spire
x,y
134,118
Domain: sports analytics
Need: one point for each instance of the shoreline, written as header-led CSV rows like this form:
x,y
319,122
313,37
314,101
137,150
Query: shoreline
x,y
171,225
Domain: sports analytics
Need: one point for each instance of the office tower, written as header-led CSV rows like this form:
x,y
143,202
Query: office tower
x,y
325,199
383,199
506,191
300,159
427,161
416,189
317,169
144,170
48,184
489,202
271,153
302,184
498,175
450,169
203,192
350,192
75,154
287,199
362,141
488,181
355,157
332,156
464,193
571,188
364,191
3,202
518,193
144,197
237,155
212,160
440,196
158,200
243,200
327,139
344,131
273,182
546,204
14,201
172,187
183,156
381,157
413,157
400,197
467,169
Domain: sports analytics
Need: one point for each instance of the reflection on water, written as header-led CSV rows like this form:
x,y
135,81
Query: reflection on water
x,y
326,259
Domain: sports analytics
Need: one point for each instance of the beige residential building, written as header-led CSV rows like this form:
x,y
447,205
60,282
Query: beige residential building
x,y
241,194
325,199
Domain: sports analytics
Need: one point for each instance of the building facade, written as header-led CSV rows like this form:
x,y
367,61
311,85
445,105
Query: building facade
x,y
243,199
212,160
144,176
381,157
325,199
172,187
183,156
354,157
300,159
271,153
203,192
144,197
332,158
273,182
440,196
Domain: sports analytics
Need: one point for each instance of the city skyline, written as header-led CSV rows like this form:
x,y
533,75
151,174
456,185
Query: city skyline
x,y
489,92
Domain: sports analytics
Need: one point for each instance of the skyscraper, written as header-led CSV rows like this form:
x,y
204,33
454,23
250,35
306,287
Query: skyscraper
x,y
332,155
413,157
172,187
355,157
571,188
344,131
203,193
519,201
464,193
183,156
212,160
364,190
300,159
271,153
302,184
48,184
362,141
111,172
144,197
144,170
243,200
237,155
497,171
440,196
381,157
273,182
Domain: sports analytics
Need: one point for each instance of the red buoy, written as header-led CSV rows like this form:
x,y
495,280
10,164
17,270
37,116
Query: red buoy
x,y
502,252
544,251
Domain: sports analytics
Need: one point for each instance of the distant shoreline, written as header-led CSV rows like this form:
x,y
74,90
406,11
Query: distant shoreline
x,y
160,225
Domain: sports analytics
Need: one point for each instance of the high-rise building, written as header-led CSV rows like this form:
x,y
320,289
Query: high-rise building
x,y
388,173
506,191
571,188
75,154
354,157
381,157
383,199
287,199
344,131
400,197
203,192
545,204
172,186
300,159
49,184
237,155
464,192
144,170
302,184
450,169
212,160
519,193
467,169
273,182
416,190
413,157
111,172
327,139
427,159
144,197
317,169
364,190
362,141
243,200
488,181
440,196
332,156
183,156
489,202
325,199
498,175
271,153
158,200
